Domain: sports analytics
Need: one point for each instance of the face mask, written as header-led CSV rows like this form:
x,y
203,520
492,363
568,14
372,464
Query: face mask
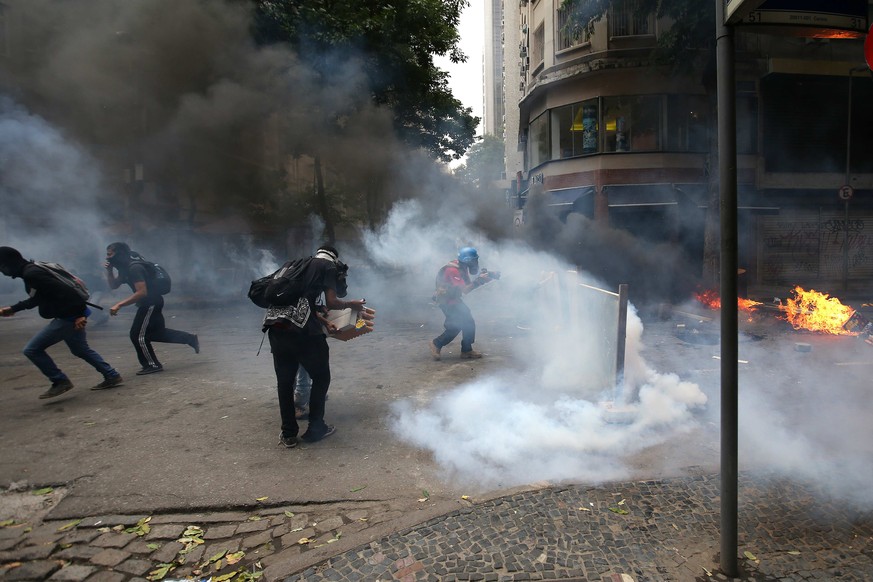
x,y
342,285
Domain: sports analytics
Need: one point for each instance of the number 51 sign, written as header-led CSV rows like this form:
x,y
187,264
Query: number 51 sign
x,y
815,18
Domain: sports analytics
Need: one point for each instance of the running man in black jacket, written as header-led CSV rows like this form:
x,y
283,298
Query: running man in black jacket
x,y
148,324
69,314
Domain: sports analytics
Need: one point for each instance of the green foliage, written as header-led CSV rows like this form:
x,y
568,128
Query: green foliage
x,y
485,163
395,44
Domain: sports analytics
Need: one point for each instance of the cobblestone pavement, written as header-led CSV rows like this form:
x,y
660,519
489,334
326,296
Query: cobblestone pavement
x,y
621,532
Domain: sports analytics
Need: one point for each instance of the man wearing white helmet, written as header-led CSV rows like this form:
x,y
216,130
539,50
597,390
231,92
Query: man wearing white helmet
x,y
454,280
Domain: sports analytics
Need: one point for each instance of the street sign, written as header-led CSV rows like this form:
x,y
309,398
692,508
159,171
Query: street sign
x,y
736,10
814,18
868,48
846,192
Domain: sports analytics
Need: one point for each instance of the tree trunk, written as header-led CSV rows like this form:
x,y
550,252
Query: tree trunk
x,y
323,206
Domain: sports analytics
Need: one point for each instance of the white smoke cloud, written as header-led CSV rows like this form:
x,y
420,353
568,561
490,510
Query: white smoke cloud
x,y
803,416
554,417
48,185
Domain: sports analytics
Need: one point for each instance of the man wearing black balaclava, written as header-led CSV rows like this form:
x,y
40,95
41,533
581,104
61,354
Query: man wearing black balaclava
x,y
148,324
68,313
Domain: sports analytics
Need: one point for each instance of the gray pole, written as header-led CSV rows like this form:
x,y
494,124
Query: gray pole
x,y
621,343
727,167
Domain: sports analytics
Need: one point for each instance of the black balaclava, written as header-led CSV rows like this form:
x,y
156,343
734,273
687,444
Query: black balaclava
x,y
11,262
121,258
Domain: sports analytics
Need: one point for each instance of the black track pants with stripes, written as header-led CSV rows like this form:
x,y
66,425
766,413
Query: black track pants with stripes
x,y
148,326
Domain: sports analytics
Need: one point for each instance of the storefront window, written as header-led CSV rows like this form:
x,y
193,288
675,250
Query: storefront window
x,y
576,128
538,141
687,123
632,123
747,124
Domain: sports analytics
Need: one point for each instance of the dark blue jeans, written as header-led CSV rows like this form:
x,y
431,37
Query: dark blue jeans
x,y
458,320
56,331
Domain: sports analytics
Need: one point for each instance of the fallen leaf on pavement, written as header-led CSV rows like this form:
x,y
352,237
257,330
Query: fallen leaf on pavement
x,y
69,526
159,572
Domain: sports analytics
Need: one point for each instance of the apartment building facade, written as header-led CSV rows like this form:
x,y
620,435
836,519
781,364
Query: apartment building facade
x,y
604,132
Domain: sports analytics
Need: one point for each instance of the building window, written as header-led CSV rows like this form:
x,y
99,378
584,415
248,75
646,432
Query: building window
x,y
626,19
576,128
538,141
747,124
687,128
805,121
568,33
538,46
632,123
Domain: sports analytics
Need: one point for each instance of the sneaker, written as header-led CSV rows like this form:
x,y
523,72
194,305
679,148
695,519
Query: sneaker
x,y
313,437
471,355
150,370
301,413
109,382
289,442
195,343
434,350
57,389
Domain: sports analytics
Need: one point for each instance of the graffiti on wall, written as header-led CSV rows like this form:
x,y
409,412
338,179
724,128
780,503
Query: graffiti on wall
x,y
808,247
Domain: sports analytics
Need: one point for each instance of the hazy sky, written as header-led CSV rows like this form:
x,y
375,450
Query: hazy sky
x,y
466,78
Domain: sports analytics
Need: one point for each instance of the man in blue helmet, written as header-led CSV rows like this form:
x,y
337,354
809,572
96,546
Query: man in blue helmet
x,y
454,280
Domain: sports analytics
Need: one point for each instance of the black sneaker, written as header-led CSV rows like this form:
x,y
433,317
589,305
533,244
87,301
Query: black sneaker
x,y
109,382
195,343
287,442
311,436
150,370
57,389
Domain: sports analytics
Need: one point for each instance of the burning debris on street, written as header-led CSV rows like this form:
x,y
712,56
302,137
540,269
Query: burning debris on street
x,y
805,310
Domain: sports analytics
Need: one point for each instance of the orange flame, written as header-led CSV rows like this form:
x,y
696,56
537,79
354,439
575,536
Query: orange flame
x,y
710,298
816,311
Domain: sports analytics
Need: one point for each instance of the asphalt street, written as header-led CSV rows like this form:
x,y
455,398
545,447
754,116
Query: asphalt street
x,y
198,444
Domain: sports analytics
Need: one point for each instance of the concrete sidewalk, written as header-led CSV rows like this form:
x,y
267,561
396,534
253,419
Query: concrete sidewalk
x,y
618,532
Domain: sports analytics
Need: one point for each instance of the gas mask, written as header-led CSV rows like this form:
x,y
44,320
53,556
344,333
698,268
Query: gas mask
x,y
342,285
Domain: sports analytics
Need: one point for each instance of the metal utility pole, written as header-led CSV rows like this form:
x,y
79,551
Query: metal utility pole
x,y
727,166
846,190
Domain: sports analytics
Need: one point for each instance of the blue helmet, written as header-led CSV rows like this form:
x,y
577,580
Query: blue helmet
x,y
468,255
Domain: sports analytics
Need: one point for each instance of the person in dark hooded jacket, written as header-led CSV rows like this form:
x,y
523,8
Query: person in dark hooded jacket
x,y
124,266
68,313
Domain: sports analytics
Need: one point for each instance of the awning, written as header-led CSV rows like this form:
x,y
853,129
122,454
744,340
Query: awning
x,y
640,195
749,199
654,195
568,196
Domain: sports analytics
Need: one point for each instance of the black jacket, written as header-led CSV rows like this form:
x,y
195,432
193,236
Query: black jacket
x,y
53,297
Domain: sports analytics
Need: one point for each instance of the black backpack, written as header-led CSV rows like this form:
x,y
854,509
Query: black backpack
x,y
284,287
159,282
67,278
